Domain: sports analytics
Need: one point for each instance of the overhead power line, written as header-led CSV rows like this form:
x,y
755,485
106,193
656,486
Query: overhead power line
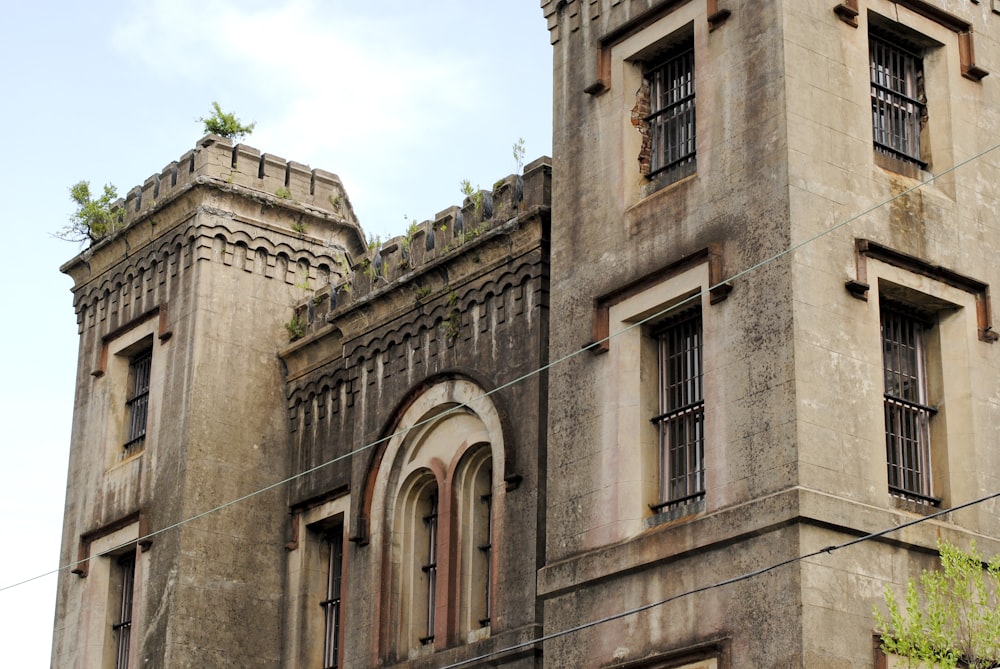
x,y
564,358
718,584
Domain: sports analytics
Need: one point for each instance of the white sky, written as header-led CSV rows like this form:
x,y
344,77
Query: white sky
x,y
403,102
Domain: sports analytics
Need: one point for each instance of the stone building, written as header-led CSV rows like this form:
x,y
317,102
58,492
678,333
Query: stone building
x,y
743,179
746,317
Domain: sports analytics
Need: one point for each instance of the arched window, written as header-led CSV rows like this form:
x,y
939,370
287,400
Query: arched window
x,y
434,504
415,540
474,491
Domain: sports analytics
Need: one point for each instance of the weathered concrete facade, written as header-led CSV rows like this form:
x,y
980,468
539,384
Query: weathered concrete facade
x,y
225,257
446,497
203,277
795,441
446,325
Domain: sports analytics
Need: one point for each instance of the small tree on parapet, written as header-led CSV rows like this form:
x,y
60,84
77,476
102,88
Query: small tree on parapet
x,y
94,217
948,616
226,124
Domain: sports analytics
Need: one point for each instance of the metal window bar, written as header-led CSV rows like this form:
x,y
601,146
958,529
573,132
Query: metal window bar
x,y
907,414
123,628
486,549
897,109
331,605
672,111
681,420
138,401
430,568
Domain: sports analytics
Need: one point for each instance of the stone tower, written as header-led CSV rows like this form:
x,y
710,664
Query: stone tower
x,y
801,344
179,408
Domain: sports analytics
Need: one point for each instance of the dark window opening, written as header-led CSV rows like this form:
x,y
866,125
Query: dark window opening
x,y
137,404
681,420
123,627
430,567
907,412
334,540
486,550
899,103
670,123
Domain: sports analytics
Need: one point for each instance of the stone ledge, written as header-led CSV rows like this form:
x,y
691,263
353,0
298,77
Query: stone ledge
x,y
796,506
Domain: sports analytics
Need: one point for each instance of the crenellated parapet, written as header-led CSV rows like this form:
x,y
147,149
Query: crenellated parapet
x,y
243,168
284,197
403,260
221,203
463,295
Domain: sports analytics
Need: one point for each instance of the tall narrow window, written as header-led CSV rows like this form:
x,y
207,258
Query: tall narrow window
x,y
899,108
681,419
137,402
334,541
907,413
429,568
671,119
485,547
122,628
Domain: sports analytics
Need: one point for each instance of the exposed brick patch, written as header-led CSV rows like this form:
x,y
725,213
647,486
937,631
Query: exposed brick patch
x,y
640,112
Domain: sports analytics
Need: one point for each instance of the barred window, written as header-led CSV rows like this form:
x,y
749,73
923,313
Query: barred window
x,y
671,118
681,420
429,567
899,109
484,527
334,540
122,628
907,412
137,402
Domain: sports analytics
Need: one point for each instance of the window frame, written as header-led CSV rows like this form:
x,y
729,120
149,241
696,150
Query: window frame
x,y
430,514
445,437
331,604
908,413
129,434
140,367
898,96
681,394
308,577
122,627
473,489
670,126
948,312
625,321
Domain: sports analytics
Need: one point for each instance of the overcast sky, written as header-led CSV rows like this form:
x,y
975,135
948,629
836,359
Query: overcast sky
x,y
402,102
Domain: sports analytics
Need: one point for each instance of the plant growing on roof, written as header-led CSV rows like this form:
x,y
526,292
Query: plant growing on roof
x,y
407,240
226,124
94,217
296,328
475,195
518,151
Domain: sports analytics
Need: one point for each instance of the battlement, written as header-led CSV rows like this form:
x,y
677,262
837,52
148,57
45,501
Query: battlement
x,y
217,160
454,230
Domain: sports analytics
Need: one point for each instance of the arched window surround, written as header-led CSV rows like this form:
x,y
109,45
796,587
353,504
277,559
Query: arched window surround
x,y
450,434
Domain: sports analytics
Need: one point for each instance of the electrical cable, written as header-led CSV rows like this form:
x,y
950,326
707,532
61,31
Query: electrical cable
x,y
564,358
729,581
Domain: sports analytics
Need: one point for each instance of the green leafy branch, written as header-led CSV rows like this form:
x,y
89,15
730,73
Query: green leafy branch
x,y
296,328
518,151
95,217
475,196
226,124
949,615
